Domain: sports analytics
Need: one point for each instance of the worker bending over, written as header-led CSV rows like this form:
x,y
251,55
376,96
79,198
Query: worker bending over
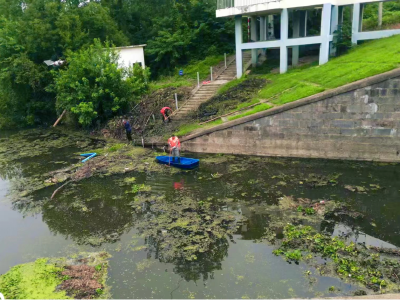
x,y
166,112
128,130
175,147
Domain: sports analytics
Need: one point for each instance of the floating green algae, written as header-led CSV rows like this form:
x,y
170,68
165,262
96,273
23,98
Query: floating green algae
x,y
47,278
184,228
349,261
37,280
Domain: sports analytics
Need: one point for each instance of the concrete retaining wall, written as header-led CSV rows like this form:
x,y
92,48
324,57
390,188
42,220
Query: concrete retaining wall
x,y
359,121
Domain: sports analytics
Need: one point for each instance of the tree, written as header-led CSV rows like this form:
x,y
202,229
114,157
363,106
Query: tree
x,y
32,31
94,87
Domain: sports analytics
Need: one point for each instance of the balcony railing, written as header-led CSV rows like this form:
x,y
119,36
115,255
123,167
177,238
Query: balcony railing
x,y
221,4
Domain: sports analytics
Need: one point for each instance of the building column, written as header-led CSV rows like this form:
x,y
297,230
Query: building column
x,y
254,38
362,6
296,34
303,23
239,41
271,28
263,32
356,23
325,33
334,27
262,28
284,38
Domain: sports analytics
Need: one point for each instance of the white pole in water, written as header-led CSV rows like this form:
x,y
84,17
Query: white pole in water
x,y
225,60
176,101
211,74
198,79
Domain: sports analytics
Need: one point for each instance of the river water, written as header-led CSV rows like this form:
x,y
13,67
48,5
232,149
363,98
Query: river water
x,y
243,267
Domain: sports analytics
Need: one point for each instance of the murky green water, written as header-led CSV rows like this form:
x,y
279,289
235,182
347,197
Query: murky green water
x,y
97,213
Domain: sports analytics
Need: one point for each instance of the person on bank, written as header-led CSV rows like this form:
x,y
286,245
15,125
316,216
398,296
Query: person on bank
x,y
128,130
166,112
175,147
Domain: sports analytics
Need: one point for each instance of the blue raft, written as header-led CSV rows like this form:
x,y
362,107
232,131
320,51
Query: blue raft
x,y
185,163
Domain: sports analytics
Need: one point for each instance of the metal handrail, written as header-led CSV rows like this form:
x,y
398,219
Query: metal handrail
x,y
222,4
197,88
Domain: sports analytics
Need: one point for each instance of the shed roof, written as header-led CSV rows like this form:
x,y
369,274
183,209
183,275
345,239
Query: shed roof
x,y
129,47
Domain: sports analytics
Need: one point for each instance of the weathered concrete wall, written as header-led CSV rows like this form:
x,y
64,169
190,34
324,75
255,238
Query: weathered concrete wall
x,y
358,121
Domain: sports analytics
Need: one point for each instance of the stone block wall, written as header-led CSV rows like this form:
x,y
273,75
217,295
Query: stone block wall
x,y
359,121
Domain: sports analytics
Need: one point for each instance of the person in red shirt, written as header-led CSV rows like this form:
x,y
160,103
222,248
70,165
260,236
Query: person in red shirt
x,y
175,147
166,111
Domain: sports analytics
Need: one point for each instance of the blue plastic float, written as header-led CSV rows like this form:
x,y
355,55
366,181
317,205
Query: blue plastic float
x,y
88,156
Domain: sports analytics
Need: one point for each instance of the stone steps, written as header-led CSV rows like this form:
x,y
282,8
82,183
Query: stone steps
x,y
207,91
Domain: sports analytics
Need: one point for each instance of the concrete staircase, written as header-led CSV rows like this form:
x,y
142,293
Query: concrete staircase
x,y
207,91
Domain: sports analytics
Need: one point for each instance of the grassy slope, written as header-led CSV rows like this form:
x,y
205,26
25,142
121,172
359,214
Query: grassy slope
x,y
190,73
369,59
364,61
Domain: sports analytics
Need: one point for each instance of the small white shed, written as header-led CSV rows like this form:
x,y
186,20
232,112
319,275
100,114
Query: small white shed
x,y
131,55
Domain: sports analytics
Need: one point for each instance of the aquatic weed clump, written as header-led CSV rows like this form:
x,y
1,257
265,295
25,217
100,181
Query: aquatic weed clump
x,y
184,228
349,261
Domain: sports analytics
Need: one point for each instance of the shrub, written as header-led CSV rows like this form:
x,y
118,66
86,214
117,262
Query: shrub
x,y
93,86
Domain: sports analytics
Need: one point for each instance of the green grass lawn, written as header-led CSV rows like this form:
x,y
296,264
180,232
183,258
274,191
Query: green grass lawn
x,y
369,59
188,128
363,61
190,73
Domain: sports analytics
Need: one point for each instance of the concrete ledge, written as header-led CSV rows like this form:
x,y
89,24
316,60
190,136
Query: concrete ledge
x,y
298,103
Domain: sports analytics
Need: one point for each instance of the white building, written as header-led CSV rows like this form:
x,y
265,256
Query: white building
x,y
261,12
131,55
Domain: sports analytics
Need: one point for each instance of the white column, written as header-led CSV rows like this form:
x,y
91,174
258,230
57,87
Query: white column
x,y
325,33
254,38
303,23
263,30
271,28
334,27
380,14
296,34
284,38
239,41
356,23
361,16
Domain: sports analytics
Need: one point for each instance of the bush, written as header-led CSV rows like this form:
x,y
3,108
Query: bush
x,y
94,87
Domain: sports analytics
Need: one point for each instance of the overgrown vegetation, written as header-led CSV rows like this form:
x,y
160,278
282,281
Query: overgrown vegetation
x,y
31,34
95,87
184,228
390,19
349,260
83,277
231,99
176,33
189,77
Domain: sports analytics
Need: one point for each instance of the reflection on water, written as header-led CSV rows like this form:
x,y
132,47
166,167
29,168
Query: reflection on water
x,y
101,213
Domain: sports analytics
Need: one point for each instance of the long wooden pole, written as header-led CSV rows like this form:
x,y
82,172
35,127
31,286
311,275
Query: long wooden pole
x,y
59,119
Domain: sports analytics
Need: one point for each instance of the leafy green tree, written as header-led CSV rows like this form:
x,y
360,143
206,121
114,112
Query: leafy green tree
x,y
94,87
32,31
176,32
